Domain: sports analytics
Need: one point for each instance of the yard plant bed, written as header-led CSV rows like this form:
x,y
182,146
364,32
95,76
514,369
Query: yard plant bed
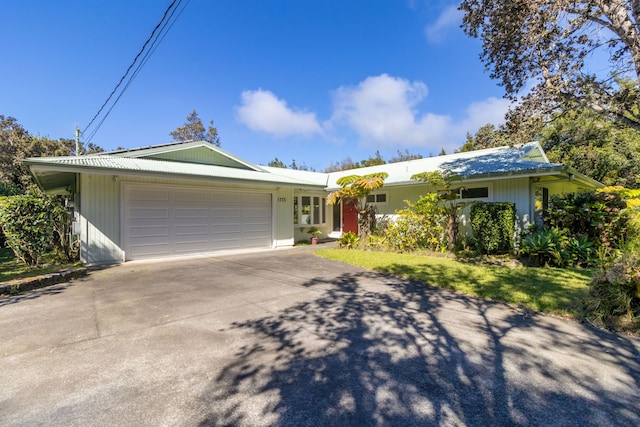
x,y
558,291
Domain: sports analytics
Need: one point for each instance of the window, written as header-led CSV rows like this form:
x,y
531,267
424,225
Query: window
x,y
541,204
377,198
474,193
309,210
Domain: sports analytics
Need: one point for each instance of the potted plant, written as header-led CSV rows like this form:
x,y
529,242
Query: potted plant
x,y
314,232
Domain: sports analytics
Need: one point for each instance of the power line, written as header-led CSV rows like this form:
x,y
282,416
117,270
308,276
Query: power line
x,y
153,41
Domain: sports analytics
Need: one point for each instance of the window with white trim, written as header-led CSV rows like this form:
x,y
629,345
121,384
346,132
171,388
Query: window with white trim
x,y
309,210
377,198
474,193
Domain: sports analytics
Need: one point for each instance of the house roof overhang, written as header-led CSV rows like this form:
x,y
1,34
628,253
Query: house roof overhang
x,y
55,174
199,160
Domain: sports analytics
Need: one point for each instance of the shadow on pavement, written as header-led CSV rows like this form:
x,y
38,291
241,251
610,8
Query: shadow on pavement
x,y
363,355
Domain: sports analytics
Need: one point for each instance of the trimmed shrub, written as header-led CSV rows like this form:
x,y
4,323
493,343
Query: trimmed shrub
x,y
493,226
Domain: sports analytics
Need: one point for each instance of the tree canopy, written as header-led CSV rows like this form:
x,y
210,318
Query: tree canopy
x,y
487,136
17,144
403,156
375,160
194,130
554,44
596,147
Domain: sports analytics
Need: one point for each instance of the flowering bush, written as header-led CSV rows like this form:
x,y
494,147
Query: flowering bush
x,y
419,226
601,217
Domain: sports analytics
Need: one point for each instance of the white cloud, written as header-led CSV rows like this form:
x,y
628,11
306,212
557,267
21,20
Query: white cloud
x,y
381,110
449,19
261,110
491,110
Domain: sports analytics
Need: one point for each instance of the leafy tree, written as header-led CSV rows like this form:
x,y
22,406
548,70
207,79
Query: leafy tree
x,y
374,160
193,130
300,167
277,163
403,157
348,164
599,148
488,136
16,144
550,43
343,165
12,139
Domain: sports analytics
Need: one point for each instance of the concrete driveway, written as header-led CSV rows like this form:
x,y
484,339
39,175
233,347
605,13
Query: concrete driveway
x,y
287,338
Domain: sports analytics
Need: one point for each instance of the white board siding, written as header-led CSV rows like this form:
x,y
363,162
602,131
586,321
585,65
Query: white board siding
x,y
99,208
173,220
518,191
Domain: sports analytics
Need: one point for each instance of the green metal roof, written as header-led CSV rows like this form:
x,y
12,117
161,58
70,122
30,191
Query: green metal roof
x,y
523,160
201,160
56,172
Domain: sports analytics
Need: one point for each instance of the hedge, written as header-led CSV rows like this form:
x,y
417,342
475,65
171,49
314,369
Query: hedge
x,y
493,226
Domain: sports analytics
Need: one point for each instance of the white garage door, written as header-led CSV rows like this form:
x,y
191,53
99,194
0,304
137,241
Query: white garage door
x,y
164,221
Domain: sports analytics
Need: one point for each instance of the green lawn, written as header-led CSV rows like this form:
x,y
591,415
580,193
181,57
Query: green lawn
x,y
11,268
550,290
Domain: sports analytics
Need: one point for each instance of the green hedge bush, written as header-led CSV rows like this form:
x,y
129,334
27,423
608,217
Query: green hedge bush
x,y
494,226
35,224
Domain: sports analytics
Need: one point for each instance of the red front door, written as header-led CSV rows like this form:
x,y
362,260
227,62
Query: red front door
x,y
350,216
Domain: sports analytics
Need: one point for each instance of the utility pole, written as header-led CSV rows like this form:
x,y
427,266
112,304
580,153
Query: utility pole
x,y
77,141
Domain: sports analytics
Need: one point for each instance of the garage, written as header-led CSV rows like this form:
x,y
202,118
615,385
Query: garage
x,y
160,221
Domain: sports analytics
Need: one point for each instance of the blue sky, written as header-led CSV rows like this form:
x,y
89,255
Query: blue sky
x,y
314,81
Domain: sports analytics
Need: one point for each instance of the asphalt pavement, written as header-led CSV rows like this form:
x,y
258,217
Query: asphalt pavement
x,y
287,338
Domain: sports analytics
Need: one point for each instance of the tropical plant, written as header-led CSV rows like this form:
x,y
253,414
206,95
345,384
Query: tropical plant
x,y
546,247
580,250
348,240
449,196
355,189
